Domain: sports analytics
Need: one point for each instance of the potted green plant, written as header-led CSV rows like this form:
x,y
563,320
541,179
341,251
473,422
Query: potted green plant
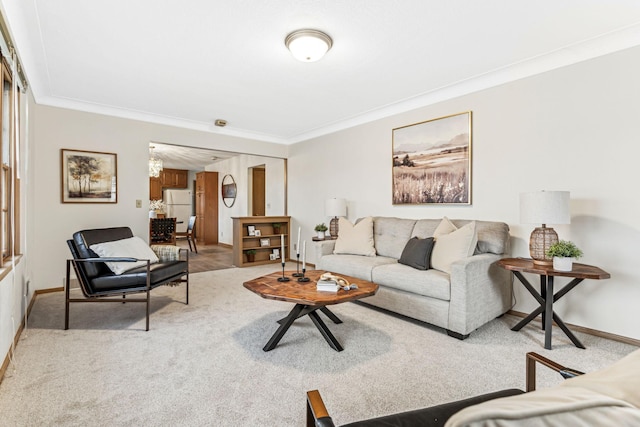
x,y
563,253
251,255
321,229
276,227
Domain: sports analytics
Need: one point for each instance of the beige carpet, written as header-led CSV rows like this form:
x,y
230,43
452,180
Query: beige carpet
x,y
203,364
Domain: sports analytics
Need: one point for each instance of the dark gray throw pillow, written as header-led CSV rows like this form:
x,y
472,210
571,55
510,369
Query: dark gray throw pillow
x,y
417,253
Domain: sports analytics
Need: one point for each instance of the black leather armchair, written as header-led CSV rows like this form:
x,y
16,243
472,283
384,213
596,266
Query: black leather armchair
x,y
98,282
318,416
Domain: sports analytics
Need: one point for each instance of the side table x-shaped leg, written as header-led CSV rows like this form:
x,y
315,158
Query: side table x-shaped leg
x,y
546,298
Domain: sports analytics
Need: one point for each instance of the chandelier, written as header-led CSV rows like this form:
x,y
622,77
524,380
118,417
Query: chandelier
x,y
155,164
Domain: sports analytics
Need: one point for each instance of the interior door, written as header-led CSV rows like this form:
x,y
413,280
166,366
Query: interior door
x,y
258,193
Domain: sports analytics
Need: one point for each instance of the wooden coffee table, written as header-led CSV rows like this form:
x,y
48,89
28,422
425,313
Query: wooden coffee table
x,y
307,301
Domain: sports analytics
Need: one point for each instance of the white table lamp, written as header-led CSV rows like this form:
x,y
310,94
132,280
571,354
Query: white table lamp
x,y
335,208
544,207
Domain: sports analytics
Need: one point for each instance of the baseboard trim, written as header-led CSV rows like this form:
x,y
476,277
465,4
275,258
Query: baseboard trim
x,y
16,338
224,245
582,329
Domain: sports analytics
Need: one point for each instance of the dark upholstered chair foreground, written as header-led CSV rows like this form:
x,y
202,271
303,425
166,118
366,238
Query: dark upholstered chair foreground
x,y
97,280
318,416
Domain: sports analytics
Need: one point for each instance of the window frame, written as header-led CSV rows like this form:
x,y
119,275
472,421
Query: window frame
x,y
9,182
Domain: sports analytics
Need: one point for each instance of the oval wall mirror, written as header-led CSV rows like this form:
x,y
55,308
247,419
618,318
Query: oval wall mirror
x,y
228,190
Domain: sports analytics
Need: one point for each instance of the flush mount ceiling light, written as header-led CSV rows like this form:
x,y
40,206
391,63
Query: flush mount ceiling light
x,y
308,45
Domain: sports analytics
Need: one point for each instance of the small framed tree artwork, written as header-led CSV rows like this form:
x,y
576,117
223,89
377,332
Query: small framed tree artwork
x,y
88,177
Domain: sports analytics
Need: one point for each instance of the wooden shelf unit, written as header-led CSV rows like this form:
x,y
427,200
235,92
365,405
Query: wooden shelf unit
x,y
242,241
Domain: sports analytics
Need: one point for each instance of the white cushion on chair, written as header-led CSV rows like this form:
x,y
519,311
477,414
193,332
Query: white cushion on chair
x,y
133,247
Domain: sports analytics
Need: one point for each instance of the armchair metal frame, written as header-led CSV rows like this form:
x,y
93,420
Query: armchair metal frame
x,y
81,266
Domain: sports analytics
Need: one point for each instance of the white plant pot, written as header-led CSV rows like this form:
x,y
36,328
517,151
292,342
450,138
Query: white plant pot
x,y
153,214
562,263
320,234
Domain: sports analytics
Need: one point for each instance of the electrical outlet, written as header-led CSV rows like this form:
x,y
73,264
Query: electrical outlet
x,y
138,203
295,247
221,233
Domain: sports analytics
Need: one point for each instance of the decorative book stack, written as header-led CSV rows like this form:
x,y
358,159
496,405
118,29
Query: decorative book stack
x,y
327,286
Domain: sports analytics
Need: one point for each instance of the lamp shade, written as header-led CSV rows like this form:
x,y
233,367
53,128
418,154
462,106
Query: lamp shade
x,y
545,207
335,207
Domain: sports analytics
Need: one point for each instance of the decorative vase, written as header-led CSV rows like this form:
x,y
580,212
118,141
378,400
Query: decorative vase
x,y
152,214
320,234
562,263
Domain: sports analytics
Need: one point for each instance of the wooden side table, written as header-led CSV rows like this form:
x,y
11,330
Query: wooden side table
x,y
546,297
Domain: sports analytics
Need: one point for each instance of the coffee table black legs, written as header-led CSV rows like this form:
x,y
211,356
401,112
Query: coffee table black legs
x,y
546,298
326,333
298,311
330,315
285,324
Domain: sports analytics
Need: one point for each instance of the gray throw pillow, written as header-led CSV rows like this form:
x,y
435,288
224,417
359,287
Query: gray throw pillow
x,y
417,253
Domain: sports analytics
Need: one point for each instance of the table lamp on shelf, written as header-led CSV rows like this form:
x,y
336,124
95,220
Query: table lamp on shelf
x,y
335,208
544,207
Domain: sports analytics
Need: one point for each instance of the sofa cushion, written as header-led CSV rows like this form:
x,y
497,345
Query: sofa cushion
x,y
133,247
353,265
417,253
355,239
493,237
429,283
425,228
391,235
137,278
454,246
445,227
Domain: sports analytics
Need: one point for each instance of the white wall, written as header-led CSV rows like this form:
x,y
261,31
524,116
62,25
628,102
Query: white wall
x,y
238,167
55,222
575,128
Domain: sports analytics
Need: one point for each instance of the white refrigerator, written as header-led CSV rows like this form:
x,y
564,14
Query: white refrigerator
x,y
179,205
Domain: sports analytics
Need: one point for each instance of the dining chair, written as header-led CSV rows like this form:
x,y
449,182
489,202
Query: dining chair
x,y
189,234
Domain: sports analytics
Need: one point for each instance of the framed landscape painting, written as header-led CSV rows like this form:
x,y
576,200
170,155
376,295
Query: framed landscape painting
x,y
88,177
432,161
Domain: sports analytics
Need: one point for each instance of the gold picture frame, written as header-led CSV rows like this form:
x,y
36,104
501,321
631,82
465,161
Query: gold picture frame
x,y
88,176
431,161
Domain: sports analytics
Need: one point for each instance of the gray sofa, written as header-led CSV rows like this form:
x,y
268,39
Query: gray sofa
x,y
476,292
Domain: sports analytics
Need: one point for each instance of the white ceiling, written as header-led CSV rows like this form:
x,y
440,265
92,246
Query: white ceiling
x,y
190,158
189,62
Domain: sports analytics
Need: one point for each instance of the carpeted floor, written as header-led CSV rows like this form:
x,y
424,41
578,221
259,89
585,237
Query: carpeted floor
x,y
203,364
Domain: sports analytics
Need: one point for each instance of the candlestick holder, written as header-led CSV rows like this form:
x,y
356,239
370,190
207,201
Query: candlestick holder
x,y
297,273
303,278
283,278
